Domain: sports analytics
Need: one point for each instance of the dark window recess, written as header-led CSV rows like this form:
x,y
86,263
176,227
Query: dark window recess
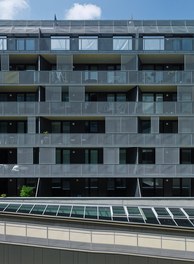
x,y
186,156
13,126
161,67
108,97
96,67
8,156
78,126
144,126
168,126
23,67
146,156
79,156
158,97
128,155
35,155
18,97
65,96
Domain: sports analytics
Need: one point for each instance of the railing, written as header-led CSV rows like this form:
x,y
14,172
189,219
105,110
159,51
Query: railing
x,y
96,108
93,170
97,77
97,240
98,140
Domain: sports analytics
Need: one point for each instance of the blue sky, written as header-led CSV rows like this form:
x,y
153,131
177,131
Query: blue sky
x,y
97,9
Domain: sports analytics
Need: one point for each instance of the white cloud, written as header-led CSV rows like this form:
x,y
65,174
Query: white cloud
x,y
10,8
83,12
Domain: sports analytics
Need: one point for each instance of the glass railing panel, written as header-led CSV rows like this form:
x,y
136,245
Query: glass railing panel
x,y
89,108
90,170
105,107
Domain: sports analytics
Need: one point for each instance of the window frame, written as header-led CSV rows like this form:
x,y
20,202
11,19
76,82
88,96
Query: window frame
x,y
82,39
66,43
129,43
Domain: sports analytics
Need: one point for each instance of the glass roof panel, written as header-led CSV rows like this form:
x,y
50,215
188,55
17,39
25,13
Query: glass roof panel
x,y
120,218
38,209
104,213
133,210
64,211
161,211
183,222
12,207
25,208
91,212
51,210
189,211
177,212
136,220
2,206
118,210
77,211
150,216
167,221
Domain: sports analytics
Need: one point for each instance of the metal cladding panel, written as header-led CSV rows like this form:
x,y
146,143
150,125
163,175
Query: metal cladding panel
x,y
47,156
53,93
64,62
129,124
185,93
25,155
31,126
128,62
113,125
111,155
167,155
189,62
4,62
186,124
76,93
154,124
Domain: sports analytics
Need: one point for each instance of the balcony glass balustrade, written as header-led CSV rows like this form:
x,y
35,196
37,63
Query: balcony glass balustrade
x,y
89,171
98,140
96,77
95,108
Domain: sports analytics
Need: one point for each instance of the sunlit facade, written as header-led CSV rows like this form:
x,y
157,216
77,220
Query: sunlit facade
x,y
97,108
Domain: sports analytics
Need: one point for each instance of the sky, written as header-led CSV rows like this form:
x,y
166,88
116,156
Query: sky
x,y
96,9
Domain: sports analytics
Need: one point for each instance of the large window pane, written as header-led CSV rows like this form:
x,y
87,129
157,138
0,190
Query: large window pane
x,y
88,43
3,43
60,43
153,43
30,44
122,43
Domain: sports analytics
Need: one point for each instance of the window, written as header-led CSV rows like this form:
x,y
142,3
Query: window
x,y
168,126
60,43
88,43
25,44
3,43
147,156
187,156
122,43
153,43
144,126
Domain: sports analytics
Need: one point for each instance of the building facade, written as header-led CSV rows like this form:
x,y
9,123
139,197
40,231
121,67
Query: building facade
x,y
97,108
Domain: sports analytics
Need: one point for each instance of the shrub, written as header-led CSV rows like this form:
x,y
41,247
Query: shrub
x,y
26,191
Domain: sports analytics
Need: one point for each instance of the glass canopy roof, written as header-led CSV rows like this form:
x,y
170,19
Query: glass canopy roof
x,y
165,216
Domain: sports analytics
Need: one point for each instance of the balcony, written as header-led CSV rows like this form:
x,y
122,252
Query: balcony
x,y
95,108
97,140
89,171
101,77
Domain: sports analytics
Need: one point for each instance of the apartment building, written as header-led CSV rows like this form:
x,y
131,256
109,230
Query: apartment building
x,y
97,108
